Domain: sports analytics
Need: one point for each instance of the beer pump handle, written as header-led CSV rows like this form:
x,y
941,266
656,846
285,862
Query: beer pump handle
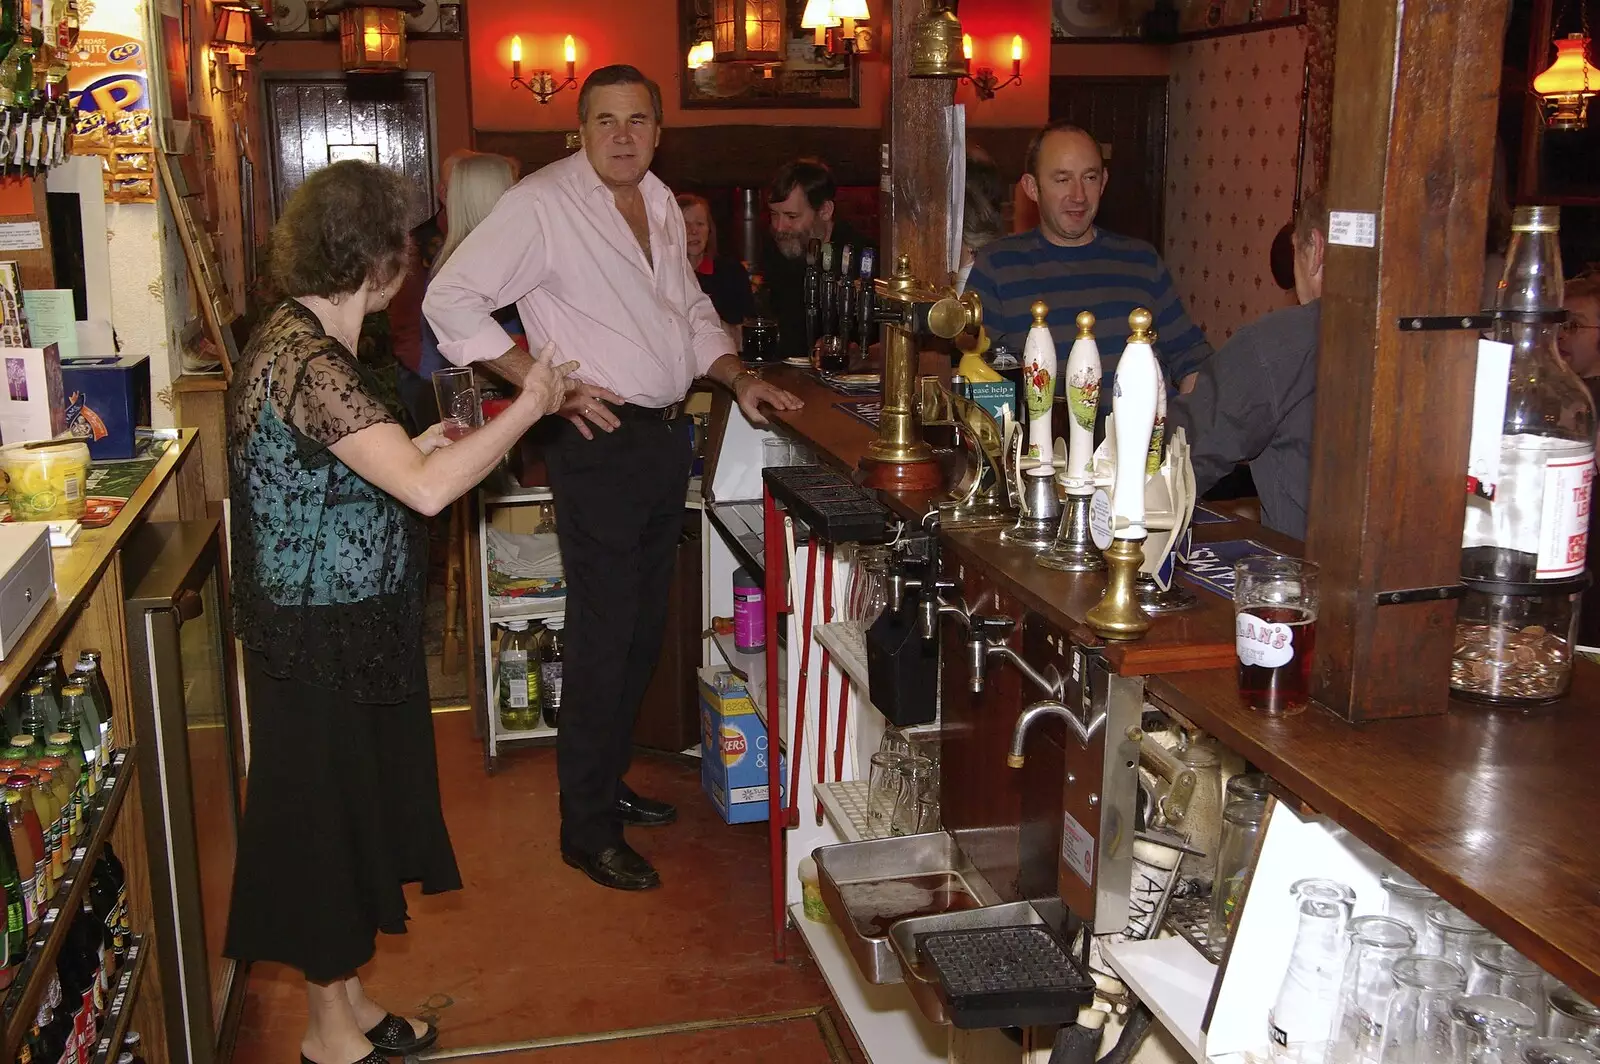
x,y
1082,386
1039,387
1133,403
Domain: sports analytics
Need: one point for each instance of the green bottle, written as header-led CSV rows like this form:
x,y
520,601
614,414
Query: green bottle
x,y
78,719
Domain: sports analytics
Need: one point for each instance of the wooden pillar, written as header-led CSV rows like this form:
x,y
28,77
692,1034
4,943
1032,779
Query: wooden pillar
x,y
1415,96
916,206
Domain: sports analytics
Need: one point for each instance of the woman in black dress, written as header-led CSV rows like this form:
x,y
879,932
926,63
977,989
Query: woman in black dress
x,y
329,567
722,277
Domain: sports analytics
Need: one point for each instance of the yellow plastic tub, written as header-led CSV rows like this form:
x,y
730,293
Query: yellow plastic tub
x,y
45,480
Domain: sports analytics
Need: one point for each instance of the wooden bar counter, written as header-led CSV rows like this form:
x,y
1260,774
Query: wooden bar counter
x,y
1495,811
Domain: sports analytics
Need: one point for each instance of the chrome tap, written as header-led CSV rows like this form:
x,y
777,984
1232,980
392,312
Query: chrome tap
x,y
1049,708
987,636
930,603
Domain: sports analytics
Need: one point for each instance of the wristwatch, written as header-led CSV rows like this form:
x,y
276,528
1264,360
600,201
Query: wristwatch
x,y
733,385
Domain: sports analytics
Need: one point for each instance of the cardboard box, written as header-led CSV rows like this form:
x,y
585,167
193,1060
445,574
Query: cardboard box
x,y
733,749
108,398
31,406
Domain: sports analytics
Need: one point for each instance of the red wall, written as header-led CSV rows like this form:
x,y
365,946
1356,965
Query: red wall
x,y
447,61
645,34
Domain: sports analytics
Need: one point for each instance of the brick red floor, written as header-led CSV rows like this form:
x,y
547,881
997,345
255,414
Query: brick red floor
x,y
531,949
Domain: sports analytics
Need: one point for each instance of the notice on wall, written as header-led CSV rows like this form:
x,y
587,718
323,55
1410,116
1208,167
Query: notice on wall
x,y
20,236
1357,229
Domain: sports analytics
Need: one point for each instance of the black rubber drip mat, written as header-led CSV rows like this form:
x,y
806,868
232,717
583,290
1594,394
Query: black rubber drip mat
x,y
1006,977
828,503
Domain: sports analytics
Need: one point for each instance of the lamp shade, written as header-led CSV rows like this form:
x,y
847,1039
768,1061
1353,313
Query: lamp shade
x,y
856,9
747,31
819,15
232,31
1567,85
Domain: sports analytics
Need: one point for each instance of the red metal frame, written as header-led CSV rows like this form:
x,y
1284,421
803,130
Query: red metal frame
x,y
776,602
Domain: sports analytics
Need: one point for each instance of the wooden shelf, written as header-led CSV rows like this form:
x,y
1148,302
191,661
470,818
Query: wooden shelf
x,y
119,1015
21,1002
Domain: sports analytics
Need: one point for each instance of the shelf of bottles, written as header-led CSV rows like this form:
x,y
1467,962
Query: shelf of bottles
x,y
38,39
840,303
61,886
119,1011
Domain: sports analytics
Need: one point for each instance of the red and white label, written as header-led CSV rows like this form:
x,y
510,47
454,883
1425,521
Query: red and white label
x,y
1564,524
1261,642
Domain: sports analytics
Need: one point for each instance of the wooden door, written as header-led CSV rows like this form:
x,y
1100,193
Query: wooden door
x,y
1128,115
314,120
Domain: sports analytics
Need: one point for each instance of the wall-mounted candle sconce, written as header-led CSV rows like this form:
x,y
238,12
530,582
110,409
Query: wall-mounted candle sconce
x,y
985,82
542,83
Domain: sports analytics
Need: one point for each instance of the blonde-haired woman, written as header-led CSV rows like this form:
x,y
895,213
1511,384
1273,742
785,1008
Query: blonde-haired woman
x,y
476,184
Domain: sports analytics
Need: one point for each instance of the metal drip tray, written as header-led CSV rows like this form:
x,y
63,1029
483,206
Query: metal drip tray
x,y
920,977
1006,977
870,886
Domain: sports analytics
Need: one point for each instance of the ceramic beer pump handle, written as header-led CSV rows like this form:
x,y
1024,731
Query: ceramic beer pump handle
x,y
1134,405
1039,389
1083,401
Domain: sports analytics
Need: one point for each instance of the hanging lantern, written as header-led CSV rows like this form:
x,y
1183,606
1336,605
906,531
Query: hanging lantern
x,y
747,31
233,38
372,34
1568,84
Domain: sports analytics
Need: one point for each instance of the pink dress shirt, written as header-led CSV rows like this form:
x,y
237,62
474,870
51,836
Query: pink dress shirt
x,y
557,247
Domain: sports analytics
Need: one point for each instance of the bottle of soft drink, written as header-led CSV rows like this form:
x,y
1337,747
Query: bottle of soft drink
x,y
550,659
518,683
78,718
39,712
28,844
89,664
17,903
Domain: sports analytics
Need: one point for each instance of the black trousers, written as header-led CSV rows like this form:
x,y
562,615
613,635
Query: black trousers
x,y
619,512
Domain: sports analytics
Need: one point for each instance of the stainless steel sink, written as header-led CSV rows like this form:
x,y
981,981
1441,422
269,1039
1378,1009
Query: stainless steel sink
x,y
923,981
868,886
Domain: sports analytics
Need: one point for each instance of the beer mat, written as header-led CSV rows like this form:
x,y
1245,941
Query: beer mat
x,y
1211,564
1205,516
110,484
864,410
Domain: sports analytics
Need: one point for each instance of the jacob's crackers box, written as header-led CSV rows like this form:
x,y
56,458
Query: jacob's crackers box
x,y
733,748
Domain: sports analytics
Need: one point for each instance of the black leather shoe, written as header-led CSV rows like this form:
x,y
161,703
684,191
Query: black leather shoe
x,y
645,812
394,1036
618,867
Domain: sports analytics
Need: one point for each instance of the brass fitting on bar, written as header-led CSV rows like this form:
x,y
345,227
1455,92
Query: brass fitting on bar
x,y
1117,615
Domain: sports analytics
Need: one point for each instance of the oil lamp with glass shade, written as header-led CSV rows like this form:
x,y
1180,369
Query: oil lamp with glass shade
x,y
1567,85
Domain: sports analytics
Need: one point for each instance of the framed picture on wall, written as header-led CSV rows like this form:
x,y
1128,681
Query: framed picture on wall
x,y
799,79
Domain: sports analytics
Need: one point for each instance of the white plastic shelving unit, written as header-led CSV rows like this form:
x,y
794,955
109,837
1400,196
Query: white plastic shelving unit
x,y
885,1020
494,493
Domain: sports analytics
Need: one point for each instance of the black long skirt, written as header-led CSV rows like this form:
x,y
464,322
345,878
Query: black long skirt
x,y
341,809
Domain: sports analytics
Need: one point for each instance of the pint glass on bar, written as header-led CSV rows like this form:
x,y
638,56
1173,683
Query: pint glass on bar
x,y
1275,628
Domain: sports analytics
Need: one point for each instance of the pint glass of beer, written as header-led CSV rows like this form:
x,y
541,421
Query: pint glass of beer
x,y
1275,628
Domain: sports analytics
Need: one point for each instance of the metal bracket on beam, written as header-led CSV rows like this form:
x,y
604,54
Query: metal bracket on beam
x,y
1484,319
1444,323
1420,594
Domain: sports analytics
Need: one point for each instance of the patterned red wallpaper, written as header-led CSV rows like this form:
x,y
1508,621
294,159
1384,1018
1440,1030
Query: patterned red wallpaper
x,y
1234,123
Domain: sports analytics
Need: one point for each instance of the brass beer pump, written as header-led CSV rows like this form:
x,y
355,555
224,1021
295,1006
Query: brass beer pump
x,y
1118,615
899,459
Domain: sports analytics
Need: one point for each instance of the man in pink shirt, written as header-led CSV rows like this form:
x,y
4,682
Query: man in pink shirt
x,y
591,251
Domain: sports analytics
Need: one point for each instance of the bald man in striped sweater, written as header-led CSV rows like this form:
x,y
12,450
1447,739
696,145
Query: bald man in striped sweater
x,y
1073,266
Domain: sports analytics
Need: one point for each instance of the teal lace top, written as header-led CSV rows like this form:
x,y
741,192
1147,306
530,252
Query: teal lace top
x,y
328,569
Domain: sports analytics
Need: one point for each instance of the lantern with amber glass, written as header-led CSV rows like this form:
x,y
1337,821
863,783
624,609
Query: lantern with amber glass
x,y
372,34
747,31
1566,87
